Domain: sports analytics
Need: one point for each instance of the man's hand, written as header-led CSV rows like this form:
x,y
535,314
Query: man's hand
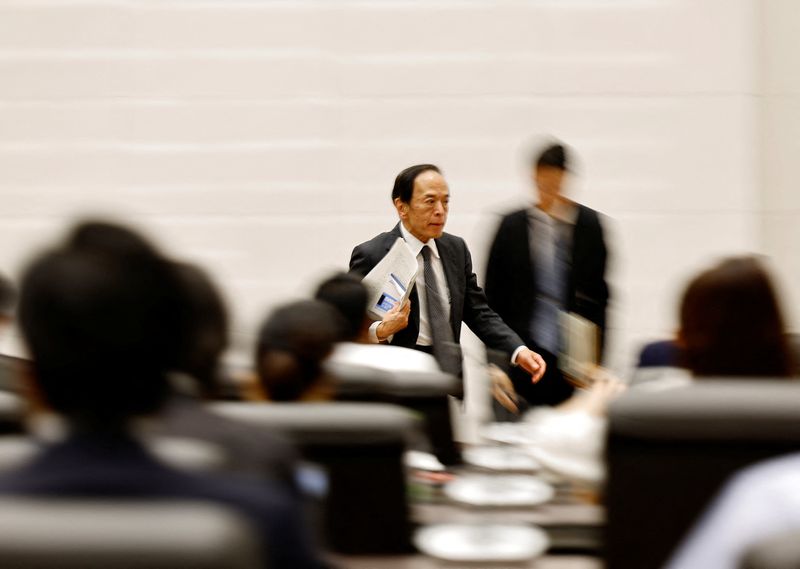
x,y
531,362
394,321
502,389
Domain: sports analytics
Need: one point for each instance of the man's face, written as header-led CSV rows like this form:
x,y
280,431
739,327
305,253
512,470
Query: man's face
x,y
426,215
548,180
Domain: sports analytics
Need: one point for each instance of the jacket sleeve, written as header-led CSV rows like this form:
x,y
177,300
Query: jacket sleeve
x,y
480,318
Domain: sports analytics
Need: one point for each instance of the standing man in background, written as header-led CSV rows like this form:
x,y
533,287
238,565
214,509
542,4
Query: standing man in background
x,y
547,259
446,292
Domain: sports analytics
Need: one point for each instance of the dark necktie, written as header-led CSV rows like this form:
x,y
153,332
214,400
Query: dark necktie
x,y
445,350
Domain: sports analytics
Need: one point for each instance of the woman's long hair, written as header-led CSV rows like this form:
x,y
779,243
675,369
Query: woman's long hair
x,y
731,323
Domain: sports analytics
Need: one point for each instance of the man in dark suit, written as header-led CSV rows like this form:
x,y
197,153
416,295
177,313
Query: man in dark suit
x,y
545,260
446,291
104,328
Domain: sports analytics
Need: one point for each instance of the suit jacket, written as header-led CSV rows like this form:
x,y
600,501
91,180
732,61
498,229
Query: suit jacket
x,y
467,300
511,273
105,465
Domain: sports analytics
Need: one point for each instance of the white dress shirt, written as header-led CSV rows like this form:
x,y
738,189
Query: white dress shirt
x,y
425,337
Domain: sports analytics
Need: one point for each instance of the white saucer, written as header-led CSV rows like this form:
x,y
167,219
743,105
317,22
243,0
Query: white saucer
x,y
487,543
508,433
584,469
499,490
422,461
503,459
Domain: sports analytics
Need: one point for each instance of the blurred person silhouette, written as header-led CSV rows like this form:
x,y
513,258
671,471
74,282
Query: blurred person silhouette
x,y
293,343
545,260
731,308
255,452
446,292
105,325
10,367
732,324
248,451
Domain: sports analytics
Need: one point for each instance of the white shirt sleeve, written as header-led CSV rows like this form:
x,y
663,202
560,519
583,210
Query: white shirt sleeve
x,y
759,502
373,333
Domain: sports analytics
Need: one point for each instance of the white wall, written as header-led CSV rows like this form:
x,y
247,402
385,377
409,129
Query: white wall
x,y
780,145
261,138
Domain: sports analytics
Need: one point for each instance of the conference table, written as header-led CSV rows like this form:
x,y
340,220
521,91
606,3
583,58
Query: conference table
x,y
573,520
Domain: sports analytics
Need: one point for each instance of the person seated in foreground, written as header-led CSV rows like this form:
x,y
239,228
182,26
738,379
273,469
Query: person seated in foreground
x,y
104,329
732,324
293,343
254,452
251,452
731,308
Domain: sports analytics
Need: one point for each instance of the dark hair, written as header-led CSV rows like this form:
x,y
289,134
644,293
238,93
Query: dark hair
x,y
731,323
8,296
206,328
110,238
555,156
292,343
404,182
103,330
348,295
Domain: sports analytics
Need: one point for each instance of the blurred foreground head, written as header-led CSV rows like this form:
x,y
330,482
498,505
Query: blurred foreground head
x,y
731,323
206,328
8,297
292,344
104,324
348,295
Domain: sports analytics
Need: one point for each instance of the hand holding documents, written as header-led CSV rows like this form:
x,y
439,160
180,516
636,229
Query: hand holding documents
x,y
390,282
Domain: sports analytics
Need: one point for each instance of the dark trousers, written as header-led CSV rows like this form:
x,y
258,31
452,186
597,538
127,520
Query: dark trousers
x,y
552,389
438,423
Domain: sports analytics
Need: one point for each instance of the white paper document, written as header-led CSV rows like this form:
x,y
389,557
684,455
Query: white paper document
x,y
579,348
391,280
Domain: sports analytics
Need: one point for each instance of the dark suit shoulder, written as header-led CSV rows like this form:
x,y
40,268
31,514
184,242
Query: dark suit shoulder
x,y
587,216
379,240
450,239
367,254
515,215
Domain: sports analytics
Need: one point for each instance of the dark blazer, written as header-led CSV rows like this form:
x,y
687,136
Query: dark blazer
x,y
511,274
115,465
467,300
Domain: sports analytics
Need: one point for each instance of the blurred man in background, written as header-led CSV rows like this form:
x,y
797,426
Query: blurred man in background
x,y
546,260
